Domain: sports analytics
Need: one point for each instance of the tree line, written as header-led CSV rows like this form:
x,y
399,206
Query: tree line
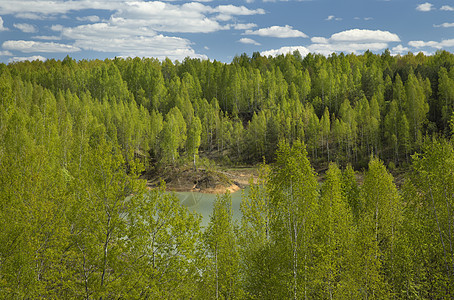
x,y
344,107
75,221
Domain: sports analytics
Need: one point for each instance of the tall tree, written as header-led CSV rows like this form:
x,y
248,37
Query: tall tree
x,y
294,192
334,237
222,277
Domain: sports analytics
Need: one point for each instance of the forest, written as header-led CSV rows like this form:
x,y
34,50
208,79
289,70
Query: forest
x,y
326,218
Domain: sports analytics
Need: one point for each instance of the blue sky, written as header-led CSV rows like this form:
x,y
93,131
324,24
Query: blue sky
x,y
89,29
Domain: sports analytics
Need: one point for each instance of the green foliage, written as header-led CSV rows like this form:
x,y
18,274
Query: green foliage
x,y
334,239
293,201
221,279
429,221
76,222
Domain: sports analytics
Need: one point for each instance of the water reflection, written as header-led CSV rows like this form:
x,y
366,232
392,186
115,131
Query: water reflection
x,y
203,203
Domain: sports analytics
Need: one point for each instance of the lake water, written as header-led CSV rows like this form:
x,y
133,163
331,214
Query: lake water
x,y
203,203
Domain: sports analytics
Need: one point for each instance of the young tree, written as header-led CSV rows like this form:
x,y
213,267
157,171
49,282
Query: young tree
x,y
334,237
259,266
193,141
173,135
222,275
163,247
294,192
379,220
430,212
98,221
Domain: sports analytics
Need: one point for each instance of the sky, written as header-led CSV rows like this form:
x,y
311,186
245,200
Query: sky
x,y
219,30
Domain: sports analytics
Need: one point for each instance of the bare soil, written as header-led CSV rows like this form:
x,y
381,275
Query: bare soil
x,y
186,179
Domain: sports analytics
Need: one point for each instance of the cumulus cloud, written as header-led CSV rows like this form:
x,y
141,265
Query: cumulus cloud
x,y
432,44
2,28
193,17
47,37
33,16
333,18
44,47
365,35
91,19
5,53
327,49
349,41
43,8
425,7
244,26
445,25
285,50
248,41
134,28
399,49
447,8
277,31
27,28
160,16
353,41
29,58
319,40
238,10
129,41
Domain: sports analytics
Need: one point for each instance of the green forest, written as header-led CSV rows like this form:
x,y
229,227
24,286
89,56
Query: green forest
x,y
326,218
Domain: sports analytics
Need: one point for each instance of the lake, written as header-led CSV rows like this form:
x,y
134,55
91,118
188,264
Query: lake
x,y
203,203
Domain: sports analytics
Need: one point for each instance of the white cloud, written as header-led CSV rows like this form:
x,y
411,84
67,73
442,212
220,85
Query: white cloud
x,y
399,49
92,19
46,37
57,27
425,7
248,41
244,26
333,18
30,58
437,45
45,47
27,28
238,10
365,35
43,8
5,53
447,8
349,41
277,31
224,17
134,26
420,44
319,40
2,28
445,25
327,49
193,17
285,50
159,16
32,16
226,12
128,41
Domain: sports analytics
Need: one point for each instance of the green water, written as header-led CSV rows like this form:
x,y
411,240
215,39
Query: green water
x,y
203,203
